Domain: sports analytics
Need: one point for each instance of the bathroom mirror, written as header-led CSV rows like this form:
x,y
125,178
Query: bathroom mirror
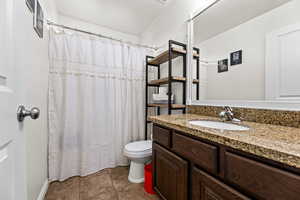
x,y
249,51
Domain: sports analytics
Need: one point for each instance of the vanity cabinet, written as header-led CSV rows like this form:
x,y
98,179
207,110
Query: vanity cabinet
x,y
206,187
162,136
188,168
171,174
261,180
202,154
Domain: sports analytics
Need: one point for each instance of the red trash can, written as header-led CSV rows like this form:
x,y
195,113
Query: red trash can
x,y
148,179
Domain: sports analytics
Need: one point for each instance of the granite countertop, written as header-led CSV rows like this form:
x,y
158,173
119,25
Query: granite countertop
x,y
278,143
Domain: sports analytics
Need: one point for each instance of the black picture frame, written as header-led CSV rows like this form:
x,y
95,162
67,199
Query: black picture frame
x,y
38,23
223,66
236,58
31,5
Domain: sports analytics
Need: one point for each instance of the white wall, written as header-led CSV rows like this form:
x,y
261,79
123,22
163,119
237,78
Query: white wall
x,y
32,70
75,23
246,81
170,24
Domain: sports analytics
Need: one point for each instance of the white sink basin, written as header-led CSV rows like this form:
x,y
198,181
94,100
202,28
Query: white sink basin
x,y
219,125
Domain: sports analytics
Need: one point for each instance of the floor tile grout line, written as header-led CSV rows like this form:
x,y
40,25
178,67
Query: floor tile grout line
x,y
79,188
112,183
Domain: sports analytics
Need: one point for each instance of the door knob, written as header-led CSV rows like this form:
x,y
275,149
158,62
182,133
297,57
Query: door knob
x,y
34,113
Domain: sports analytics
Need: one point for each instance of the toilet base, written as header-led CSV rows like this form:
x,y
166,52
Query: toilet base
x,y
136,172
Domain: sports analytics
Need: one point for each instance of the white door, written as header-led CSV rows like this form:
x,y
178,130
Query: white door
x,y
12,152
282,64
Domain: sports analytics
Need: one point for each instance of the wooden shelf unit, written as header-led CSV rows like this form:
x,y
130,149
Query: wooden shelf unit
x,y
173,106
175,50
196,51
164,56
163,81
196,81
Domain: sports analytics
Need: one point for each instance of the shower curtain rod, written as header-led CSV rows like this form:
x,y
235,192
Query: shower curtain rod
x,y
203,11
99,35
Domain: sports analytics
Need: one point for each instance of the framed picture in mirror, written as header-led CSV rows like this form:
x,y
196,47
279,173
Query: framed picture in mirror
x,y
236,58
222,65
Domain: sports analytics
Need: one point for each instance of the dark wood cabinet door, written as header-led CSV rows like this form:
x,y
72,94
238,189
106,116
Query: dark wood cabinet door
x,y
260,180
206,187
170,174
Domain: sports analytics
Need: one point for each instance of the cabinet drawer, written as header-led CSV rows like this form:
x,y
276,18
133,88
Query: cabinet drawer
x,y
205,186
162,136
260,180
202,154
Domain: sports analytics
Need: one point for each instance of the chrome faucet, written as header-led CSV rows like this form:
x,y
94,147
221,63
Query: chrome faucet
x,y
227,115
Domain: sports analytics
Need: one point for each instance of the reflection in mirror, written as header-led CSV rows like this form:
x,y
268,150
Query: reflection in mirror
x,y
249,50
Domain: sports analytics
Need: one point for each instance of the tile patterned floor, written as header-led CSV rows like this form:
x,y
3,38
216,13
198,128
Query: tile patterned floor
x,y
108,184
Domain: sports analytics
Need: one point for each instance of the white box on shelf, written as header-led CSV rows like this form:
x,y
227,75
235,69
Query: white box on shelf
x,y
163,90
162,98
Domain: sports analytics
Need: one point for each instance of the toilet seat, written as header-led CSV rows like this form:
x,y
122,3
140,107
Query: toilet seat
x,y
139,153
138,149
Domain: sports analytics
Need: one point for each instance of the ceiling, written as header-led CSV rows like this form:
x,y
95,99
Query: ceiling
x,y
128,16
228,14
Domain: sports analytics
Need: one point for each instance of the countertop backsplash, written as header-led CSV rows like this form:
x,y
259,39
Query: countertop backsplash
x,y
265,116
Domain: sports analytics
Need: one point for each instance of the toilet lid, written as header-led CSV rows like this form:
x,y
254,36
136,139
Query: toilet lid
x,y
139,146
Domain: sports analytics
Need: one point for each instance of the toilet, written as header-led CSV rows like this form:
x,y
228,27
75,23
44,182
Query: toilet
x,y
139,153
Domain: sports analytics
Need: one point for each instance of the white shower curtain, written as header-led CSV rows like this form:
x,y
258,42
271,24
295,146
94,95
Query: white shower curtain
x,y
96,103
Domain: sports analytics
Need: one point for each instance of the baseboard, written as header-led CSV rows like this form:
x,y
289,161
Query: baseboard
x,y
43,191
